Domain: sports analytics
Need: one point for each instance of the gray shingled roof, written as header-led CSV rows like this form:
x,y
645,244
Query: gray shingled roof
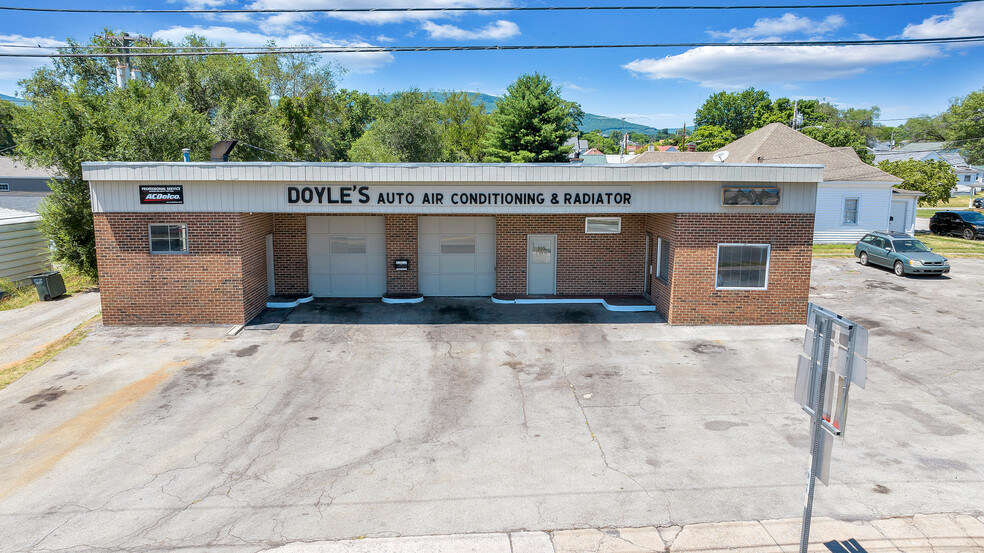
x,y
777,143
9,167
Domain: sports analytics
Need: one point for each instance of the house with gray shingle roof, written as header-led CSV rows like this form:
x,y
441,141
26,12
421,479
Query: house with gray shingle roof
x,y
968,176
22,187
853,199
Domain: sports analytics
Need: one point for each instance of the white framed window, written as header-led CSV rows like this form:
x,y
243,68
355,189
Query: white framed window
x,y
662,260
603,225
966,179
4,186
168,238
851,211
742,267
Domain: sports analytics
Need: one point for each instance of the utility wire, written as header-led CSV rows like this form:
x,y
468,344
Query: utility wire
x,y
221,51
494,9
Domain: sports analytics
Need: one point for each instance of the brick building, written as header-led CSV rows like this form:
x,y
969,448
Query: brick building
x,y
203,243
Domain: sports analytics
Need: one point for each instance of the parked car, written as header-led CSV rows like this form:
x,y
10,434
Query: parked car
x,y
979,203
969,224
900,252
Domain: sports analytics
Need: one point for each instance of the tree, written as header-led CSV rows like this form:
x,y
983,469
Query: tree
x,y
965,125
601,143
782,110
841,137
408,129
531,123
465,125
7,110
935,178
711,137
295,75
735,111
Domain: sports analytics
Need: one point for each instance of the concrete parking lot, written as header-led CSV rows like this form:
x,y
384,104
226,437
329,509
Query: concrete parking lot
x,y
330,423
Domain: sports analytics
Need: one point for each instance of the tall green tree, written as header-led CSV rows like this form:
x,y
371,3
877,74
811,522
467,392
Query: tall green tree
x,y
407,129
782,110
296,75
965,126
531,123
839,137
711,137
7,110
935,178
465,124
734,111
601,143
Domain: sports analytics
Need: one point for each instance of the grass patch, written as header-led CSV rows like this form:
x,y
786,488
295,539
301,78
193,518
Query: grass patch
x,y
943,245
22,296
12,372
957,203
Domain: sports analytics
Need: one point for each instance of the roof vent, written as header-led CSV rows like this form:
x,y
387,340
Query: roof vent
x,y
220,152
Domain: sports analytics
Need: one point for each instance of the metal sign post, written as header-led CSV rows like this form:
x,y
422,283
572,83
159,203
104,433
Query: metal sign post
x,y
829,337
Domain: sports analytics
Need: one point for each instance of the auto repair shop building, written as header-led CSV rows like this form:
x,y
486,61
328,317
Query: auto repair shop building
x,y
208,243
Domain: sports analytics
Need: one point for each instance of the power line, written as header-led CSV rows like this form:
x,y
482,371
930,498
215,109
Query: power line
x,y
493,9
177,51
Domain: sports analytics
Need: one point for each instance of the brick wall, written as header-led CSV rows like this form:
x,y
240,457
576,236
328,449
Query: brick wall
x,y
401,243
694,298
254,229
218,282
586,263
661,225
290,253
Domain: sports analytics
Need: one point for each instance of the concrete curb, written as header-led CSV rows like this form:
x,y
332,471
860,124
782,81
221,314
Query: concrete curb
x,y
938,532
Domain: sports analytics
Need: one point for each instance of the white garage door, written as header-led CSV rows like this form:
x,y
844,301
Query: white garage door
x,y
346,256
456,256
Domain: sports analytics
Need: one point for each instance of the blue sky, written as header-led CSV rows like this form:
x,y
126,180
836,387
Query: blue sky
x,y
658,87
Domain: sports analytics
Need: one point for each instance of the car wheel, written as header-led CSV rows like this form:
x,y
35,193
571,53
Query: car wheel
x,y
934,229
899,268
969,234
864,258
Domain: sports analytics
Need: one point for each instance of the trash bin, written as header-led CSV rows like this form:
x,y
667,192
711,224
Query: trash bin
x,y
50,285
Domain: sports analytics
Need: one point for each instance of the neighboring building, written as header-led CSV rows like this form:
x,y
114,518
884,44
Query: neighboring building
x,y
22,187
668,148
968,177
578,146
204,243
853,199
23,250
594,156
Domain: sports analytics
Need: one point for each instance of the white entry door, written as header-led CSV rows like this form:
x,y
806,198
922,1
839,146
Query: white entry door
x,y
456,256
898,217
541,264
346,256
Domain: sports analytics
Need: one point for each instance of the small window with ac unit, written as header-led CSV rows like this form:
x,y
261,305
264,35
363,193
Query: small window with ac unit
x,y
4,186
603,225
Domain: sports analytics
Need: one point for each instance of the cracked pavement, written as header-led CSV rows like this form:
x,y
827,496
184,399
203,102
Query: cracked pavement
x,y
338,426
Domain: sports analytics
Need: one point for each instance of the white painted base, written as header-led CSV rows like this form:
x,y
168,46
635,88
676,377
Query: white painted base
x,y
288,304
622,308
403,300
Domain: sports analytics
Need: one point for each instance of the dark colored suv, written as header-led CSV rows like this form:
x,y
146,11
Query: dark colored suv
x,y
979,203
969,224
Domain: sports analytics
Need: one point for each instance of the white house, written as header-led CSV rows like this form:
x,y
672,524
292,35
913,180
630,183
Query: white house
x,y
854,197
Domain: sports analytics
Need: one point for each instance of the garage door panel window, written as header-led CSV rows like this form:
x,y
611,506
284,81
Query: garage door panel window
x,y
462,243
169,238
743,266
341,243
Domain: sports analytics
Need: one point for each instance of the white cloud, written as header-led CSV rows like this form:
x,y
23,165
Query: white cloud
x,y
364,62
567,85
493,31
15,69
741,66
964,20
378,17
780,26
383,38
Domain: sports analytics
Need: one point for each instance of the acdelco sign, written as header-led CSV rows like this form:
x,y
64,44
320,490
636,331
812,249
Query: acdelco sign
x,y
172,194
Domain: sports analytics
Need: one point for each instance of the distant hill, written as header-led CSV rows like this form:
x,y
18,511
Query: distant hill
x,y
591,121
15,101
